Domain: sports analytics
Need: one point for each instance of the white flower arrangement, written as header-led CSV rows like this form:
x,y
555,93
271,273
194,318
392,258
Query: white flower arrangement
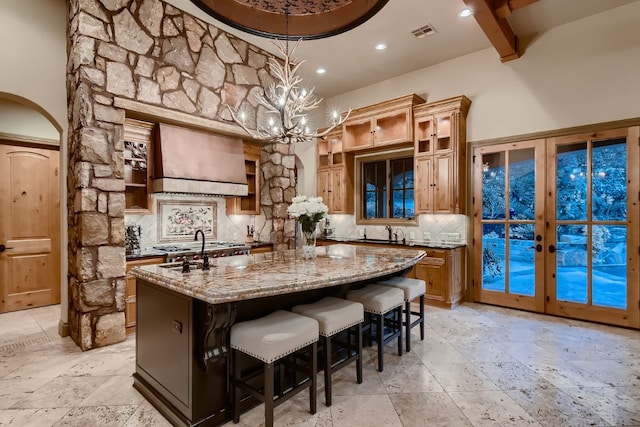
x,y
308,210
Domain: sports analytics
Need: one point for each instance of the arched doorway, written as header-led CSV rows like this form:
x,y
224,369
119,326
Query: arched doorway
x,y
30,247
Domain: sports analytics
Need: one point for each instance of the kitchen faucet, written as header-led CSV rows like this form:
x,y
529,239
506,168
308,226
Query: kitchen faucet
x,y
205,258
404,238
388,228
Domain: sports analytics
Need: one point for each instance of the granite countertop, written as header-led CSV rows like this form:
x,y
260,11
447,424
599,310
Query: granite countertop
x,y
245,277
145,254
410,243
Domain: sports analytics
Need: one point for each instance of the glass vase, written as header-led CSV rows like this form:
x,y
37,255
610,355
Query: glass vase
x,y
307,242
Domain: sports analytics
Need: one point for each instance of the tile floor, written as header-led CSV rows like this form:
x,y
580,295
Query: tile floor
x,y
478,366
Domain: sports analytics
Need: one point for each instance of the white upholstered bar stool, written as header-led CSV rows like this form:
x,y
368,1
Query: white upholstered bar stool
x,y
270,339
412,288
383,306
335,315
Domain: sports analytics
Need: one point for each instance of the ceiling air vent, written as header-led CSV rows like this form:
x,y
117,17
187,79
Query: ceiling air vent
x,y
424,31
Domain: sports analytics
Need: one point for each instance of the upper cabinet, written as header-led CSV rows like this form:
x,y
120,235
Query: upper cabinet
x,y
440,155
249,204
382,124
329,149
138,167
335,173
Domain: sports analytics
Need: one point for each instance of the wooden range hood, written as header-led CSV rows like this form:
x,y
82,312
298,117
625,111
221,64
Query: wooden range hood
x,y
195,162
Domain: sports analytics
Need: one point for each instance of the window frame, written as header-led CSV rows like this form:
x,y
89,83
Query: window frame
x,y
359,190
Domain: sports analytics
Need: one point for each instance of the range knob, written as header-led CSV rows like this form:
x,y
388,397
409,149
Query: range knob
x,y
179,258
196,257
214,255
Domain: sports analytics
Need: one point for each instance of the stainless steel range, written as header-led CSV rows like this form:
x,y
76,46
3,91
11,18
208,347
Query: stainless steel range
x,y
177,252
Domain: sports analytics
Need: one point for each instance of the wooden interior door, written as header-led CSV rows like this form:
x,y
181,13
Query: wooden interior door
x,y
29,227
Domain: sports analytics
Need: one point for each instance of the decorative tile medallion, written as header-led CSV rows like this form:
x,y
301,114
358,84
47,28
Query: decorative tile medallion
x,y
180,220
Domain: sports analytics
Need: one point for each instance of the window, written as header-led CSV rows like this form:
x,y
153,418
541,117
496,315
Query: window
x,y
387,189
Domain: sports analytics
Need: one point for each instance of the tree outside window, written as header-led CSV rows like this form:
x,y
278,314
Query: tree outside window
x,y
378,178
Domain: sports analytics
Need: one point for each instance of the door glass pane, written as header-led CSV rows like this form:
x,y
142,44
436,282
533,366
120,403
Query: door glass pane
x,y
493,186
609,273
522,259
493,256
609,183
571,263
522,180
571,182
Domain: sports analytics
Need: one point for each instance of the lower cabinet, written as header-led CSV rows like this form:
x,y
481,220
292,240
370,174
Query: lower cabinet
x,y
443,273
261,249
130,290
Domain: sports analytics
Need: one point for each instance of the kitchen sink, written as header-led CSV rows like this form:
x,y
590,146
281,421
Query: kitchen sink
x,y
177,266
387,241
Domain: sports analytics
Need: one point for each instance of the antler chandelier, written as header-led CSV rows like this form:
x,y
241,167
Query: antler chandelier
x,y
287,105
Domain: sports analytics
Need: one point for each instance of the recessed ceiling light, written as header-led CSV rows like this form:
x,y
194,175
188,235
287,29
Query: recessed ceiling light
x,y
464,13
381,46
321,70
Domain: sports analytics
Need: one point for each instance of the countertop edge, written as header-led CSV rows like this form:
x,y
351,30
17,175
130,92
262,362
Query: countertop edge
x,y
180,282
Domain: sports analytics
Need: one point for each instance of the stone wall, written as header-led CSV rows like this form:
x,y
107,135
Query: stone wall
x,y
152,53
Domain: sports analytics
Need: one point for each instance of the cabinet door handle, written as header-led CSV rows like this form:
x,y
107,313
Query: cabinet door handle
x,y
4,248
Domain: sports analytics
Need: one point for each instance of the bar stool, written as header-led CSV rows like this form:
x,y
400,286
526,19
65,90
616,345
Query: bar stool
x,y
413,288
270,339
335,315
379,302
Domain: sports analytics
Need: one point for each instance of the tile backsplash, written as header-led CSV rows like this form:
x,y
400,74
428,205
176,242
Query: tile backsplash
x,y
230,228
437,228
233,228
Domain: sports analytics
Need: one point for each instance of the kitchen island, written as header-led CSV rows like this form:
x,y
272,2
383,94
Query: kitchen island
x,y
183,319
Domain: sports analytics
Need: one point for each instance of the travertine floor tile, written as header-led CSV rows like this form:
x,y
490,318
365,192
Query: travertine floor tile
x,y
61,392
31,417
14,390
428,410
409,379
492,408
612,404
553,407
512,375
365,411
146,416
117,390
478,366
461,377
109,416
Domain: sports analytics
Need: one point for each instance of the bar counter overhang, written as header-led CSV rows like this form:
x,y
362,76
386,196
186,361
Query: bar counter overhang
x,y
183,320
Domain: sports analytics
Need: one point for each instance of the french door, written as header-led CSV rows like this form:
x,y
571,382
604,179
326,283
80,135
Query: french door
x,y
556,226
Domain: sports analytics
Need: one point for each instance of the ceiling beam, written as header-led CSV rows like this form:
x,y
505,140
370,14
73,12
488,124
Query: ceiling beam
x,y
504,8
496,29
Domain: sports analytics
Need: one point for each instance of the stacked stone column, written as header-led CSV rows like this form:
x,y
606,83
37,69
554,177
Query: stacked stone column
x,y
277,191
152,53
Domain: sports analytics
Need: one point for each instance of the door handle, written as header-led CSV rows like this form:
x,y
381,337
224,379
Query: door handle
x,y
552,249
4,248
538,247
